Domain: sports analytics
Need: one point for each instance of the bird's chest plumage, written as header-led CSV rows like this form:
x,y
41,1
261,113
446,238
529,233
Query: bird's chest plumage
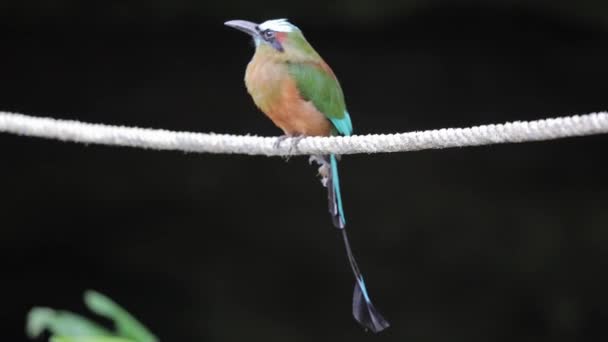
x,y
275,92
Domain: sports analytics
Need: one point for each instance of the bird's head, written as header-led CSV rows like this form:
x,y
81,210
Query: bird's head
x,y
279,34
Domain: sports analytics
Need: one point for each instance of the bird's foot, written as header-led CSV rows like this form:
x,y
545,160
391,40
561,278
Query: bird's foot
x,y
280,139
295,140
324,167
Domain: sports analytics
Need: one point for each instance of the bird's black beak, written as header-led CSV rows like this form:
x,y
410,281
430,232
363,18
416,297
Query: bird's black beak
x,y
244,26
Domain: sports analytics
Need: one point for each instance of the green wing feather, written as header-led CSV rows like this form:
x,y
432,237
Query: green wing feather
x,y
323,90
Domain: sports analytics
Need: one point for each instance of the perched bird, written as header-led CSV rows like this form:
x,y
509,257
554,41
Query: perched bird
x,y
299,92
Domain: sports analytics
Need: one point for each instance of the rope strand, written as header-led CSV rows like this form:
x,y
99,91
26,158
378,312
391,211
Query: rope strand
x,y
158,139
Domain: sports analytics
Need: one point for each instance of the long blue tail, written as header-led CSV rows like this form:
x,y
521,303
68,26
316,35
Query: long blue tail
x,y
363,310
335,197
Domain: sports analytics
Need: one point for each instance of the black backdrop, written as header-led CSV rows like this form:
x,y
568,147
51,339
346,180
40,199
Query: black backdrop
x,y
497,243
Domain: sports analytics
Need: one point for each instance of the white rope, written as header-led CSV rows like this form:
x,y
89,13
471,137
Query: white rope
x,y
512,132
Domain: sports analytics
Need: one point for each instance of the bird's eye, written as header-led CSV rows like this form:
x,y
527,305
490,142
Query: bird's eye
x,y
268,34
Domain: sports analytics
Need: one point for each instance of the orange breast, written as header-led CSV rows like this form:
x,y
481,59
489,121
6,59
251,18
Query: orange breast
x,y
275,92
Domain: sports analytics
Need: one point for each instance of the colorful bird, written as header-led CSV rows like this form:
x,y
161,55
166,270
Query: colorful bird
x,y
299,92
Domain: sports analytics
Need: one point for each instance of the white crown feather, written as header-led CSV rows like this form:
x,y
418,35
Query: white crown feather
x,y
279,25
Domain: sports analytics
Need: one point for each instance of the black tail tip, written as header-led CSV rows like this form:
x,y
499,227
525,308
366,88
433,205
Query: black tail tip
x,y
366,314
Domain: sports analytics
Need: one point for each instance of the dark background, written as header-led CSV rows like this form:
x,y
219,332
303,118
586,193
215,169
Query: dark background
x,y
496,243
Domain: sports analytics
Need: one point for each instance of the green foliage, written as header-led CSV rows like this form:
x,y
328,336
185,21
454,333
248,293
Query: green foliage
x,y
88,339
66,326
62,323
126,325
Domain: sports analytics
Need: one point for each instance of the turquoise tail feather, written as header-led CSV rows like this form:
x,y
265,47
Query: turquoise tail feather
x,y
363,310
335,184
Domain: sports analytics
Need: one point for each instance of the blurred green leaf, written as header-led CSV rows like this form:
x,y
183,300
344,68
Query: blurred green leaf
x,y
89,339
126,325
61,323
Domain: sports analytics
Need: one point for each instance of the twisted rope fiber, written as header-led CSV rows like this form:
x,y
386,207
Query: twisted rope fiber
x,y
158,139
